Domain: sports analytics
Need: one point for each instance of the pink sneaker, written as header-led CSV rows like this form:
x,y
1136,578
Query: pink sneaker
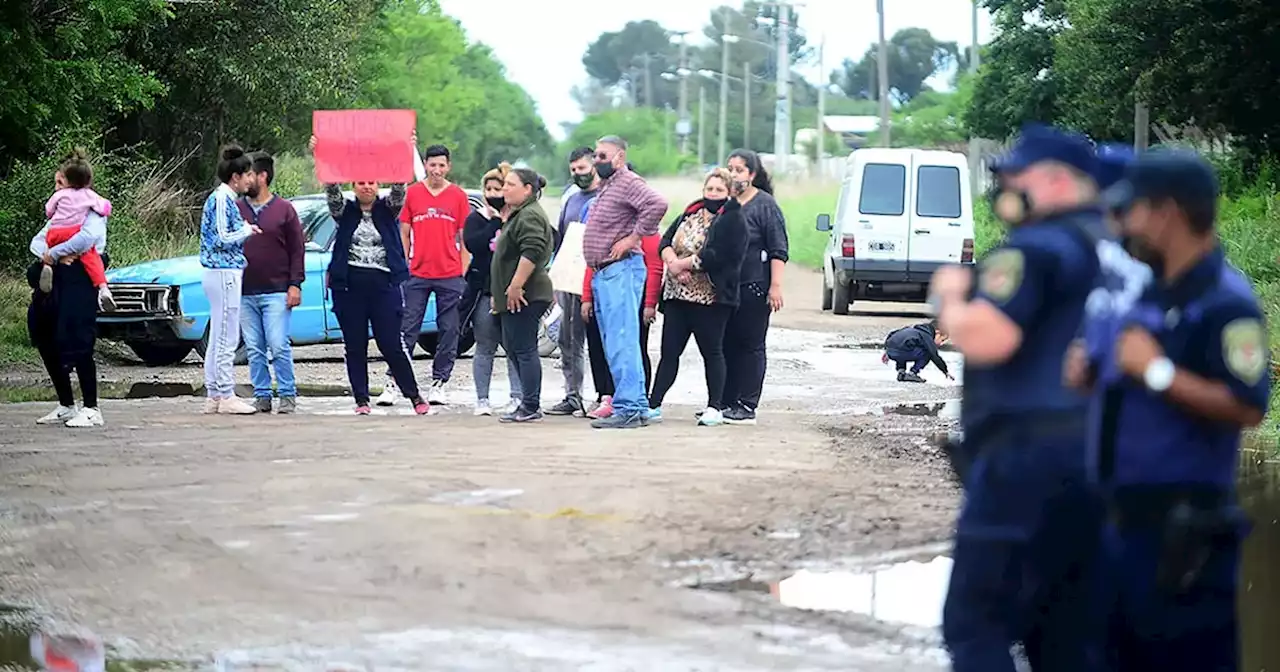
x,y
421,407
602,410
362,409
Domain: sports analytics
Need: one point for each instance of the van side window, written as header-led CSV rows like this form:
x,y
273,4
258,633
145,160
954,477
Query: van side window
x,y
938,191
884,189
842,202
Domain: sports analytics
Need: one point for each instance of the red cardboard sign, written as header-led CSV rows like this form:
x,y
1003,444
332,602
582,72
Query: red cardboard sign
x,y
364,145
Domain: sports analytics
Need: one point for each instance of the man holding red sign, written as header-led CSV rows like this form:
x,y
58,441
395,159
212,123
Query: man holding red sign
x,y
431,230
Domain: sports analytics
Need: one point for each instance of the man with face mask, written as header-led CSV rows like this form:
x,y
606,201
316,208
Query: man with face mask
x,y
626,211
573,330
1187,372
1025,533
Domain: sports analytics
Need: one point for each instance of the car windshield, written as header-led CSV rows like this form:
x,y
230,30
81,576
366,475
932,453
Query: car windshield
x,y
317,224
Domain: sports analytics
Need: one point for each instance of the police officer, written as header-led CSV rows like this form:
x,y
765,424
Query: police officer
x,y
916,345
1188,371
1024,536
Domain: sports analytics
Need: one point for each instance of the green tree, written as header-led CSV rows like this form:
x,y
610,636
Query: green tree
x,y
1016,82
66,66
635,58
650,136
914,56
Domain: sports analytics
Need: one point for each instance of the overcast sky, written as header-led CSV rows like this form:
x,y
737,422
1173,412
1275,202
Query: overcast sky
x,y
541,42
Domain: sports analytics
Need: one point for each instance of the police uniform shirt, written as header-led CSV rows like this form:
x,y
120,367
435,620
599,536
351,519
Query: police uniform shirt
x,y
1040,279
1209,323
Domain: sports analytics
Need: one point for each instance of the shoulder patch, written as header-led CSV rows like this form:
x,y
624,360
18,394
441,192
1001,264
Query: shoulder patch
x,y
1244,349
1001,273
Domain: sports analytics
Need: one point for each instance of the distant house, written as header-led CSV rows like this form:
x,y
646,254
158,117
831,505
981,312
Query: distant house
x,y
854,130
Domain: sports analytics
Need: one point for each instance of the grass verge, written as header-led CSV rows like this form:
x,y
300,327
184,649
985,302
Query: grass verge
x,y
1249,225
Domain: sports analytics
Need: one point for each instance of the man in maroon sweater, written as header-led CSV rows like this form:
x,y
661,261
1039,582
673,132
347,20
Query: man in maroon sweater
x,y
272,286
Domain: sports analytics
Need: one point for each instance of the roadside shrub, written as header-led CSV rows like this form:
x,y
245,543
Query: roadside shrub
x,y
295,175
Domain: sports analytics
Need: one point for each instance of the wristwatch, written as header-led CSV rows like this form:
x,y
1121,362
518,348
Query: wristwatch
x,y
1159,374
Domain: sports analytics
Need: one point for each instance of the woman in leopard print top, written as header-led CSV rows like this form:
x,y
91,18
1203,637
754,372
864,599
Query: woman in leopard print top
x,y
703,250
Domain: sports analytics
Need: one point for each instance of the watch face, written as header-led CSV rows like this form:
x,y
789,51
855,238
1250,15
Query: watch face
x,y
1159,375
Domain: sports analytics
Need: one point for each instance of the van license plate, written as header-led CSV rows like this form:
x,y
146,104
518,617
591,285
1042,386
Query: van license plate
x,y
881,246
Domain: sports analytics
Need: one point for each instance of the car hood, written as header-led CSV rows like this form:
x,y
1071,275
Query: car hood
x,y
176,271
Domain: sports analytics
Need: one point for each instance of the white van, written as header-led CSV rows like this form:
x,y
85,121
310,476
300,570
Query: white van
x,y
902,214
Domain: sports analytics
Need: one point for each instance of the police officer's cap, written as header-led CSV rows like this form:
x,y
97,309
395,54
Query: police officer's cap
x,y
1179,176
1113,160
1039,143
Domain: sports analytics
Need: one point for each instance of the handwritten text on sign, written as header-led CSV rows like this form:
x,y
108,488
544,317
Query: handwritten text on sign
x,y
364,145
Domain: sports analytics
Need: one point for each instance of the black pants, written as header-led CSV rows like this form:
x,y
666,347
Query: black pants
x,y
600,376
62,325
744,348
520,340
371,300
706,324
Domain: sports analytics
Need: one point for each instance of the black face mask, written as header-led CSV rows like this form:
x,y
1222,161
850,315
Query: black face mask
x,y
713,205
1010,206
495,202
605,169
584,181
739,187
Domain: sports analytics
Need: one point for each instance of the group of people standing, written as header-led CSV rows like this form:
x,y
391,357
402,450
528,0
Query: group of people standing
x,y
1113,358
715,273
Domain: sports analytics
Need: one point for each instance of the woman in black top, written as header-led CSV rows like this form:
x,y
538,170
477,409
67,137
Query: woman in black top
x,y
760,284
480,235
703,250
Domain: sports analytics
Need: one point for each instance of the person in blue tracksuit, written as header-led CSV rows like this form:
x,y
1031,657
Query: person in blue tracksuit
x,y
1187,372
916,346
1028,525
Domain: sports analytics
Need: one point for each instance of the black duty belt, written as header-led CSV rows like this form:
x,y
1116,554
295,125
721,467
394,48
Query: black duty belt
x,y
1150,506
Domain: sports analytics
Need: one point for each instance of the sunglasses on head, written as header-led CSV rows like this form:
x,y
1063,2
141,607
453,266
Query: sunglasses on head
x,y
601,156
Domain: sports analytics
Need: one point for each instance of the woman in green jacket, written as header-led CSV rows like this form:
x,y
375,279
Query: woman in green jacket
x,y
520,285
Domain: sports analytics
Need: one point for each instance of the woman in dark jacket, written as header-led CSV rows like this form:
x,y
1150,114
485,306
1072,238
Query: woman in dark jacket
x,y
365,272
703,250
760,286
520,285
480,235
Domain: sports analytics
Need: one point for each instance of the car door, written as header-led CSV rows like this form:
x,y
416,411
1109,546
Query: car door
x,y
937,215
879,223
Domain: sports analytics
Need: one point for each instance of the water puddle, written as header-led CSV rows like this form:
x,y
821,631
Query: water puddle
x,y
945,410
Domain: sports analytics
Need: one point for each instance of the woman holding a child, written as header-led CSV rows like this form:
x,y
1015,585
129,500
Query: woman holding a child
x,y
68,283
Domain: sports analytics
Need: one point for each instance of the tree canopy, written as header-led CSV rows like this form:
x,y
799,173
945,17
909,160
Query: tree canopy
x,y
914,56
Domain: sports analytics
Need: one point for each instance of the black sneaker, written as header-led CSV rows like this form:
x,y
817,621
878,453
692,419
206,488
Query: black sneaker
x,y
521,415
622,421
569,406
909,377
739,416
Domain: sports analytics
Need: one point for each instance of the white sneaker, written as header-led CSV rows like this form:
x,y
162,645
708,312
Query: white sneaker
x,y
512,406
58,416
711,417
87,417
389,394
211,406
482,408
235,406
435,395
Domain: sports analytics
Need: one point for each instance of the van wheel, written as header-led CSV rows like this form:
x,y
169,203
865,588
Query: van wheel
x,y
840,297
826,295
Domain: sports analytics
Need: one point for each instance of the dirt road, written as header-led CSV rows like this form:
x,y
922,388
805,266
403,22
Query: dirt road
x,y
451,542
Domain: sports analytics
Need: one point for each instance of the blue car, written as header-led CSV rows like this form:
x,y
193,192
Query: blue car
x,y
162,313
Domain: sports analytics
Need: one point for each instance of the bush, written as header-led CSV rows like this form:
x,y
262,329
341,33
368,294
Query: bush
x,y
295,175
151,217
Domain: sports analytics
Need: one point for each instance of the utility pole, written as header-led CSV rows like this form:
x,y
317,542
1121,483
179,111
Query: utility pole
x,y
1141,126
882,68
782,106
682,125
822,106
648,81
974,177
746,105
724,83
702,125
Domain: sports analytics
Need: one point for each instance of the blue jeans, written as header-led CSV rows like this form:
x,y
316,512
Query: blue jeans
x,y
264,319
617,291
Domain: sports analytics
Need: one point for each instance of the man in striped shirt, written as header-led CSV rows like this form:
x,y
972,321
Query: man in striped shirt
x,y
626,210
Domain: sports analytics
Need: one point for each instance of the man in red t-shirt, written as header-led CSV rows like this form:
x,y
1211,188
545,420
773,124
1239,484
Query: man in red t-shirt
x,y
431,230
